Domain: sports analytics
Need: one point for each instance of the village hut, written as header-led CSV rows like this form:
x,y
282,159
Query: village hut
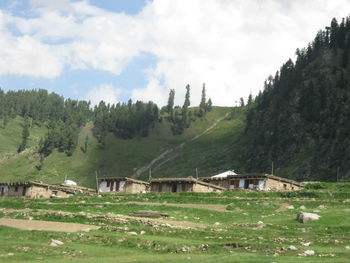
x,y
188,184
255,181
122,184
33,190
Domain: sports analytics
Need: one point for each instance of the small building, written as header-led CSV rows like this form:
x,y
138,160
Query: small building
x,y
264,182
33,190
188,184
122,184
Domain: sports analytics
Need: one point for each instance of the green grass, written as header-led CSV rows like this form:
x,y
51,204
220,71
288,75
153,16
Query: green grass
x,y
328,236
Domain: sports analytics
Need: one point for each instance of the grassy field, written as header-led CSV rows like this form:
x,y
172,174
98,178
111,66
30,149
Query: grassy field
x,y
122,157
252,227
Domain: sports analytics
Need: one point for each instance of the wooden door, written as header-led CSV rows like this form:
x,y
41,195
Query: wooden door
x,y
117,186
111,186
236,183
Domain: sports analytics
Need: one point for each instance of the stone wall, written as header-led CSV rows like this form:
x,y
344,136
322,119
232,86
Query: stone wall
x,y
134,188
274,185
199,188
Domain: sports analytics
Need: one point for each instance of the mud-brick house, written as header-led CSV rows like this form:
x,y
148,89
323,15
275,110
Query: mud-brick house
x,y
188,184
122,184
264,182
33,190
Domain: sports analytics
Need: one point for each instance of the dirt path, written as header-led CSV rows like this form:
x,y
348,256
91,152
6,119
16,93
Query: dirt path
x,y
45,225
145,168
218,208
81,227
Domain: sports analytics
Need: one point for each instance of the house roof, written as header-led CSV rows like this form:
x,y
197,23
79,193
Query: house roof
x,y
118,179
253,176
186,180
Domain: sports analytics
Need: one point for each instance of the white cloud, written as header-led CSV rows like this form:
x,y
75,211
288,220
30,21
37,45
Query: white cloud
x,y
231,45
105,92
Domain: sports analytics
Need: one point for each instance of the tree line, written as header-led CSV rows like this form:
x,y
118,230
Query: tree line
x,y
63,118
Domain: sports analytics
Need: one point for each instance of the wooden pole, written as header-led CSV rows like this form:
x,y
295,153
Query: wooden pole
x,y
196,173
150,174
97,188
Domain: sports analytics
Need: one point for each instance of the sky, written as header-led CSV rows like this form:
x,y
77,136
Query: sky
x,y
113,50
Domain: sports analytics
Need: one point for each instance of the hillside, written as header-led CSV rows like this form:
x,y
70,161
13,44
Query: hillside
x,y
122,157
300,120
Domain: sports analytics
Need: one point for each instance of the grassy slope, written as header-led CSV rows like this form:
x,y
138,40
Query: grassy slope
x,y
121,157
211,153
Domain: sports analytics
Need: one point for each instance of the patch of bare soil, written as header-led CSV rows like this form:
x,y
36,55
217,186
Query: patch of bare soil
x,y
218,208
283,207
45,225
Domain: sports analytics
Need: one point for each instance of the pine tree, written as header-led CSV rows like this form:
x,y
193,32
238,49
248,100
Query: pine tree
x,y
209,105
25,135
170,106
187,97
203,99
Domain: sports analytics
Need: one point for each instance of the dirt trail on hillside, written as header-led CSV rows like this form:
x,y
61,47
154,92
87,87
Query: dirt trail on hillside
x,y
45,225
218,208
143,169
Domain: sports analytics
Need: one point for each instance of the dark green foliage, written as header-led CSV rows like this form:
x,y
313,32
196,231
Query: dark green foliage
x,y
209,105
203,98
25,135
124,120
316,186
304,108
187,102
170,105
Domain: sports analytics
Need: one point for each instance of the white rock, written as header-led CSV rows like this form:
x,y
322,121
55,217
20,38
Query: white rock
x,y
302,207
260,222
56,243
132,233
306,244
142,232
309,252
304,217
217,223
292,248
347,247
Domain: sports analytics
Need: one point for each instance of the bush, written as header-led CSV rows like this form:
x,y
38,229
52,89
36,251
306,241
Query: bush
x,y
316,186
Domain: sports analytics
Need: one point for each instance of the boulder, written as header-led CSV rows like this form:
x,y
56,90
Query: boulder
x,y
132,233
304,217
56,243
292,248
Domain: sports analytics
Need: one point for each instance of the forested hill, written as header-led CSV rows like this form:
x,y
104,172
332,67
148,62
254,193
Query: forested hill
x,y
300,121
46,137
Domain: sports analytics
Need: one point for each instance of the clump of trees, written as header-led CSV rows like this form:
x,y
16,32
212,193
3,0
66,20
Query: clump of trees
x,y
181,118
124,120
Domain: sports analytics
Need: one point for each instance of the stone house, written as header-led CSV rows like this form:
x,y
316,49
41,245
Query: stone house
x,y
254,181
122,184
188,184
33,190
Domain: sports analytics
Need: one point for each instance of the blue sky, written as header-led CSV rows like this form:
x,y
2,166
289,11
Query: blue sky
x,y
116,50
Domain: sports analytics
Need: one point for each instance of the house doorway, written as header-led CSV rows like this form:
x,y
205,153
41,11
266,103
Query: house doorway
x,y
174,188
